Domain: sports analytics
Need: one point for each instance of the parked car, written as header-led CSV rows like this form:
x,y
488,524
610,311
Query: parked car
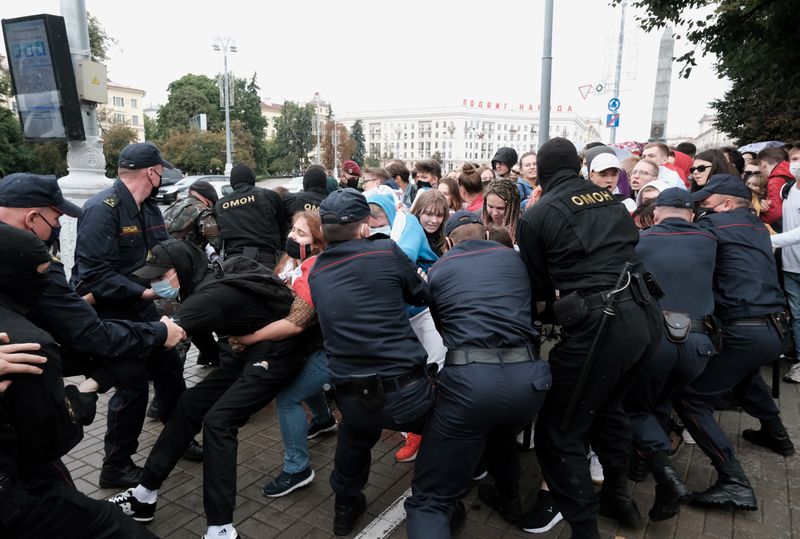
x,y
222,186
171,176
180,190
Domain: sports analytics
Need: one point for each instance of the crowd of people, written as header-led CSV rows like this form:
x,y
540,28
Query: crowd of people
x,y
418,300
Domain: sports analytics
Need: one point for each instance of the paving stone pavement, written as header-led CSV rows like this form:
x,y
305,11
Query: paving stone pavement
x,y
308,512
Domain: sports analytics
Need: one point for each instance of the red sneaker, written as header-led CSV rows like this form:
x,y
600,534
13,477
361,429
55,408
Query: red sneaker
x,y
408,452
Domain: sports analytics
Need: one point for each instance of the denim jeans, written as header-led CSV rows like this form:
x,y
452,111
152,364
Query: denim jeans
x,y
291,415
791,285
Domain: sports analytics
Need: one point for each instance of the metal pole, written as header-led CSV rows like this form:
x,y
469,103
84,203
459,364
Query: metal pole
x,y
618,73
227,97
335,142
77,24
316,98
547,69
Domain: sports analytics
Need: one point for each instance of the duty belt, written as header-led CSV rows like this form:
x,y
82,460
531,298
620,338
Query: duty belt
x,y
598,300
700,326
763,320
395,383
496,356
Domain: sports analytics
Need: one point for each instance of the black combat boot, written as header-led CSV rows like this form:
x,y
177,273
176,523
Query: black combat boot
x,y
670,490
586,529
346,513
638,470
732,489
771,435
615,499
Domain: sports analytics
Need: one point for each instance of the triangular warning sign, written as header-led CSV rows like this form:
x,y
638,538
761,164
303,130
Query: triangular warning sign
x,y
584,90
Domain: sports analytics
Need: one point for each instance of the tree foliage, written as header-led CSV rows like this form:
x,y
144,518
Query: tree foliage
x,y
203,152
756,47
116,137
359,147
189,96
99,40
293,139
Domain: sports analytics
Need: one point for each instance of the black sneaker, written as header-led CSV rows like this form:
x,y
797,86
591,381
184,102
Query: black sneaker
x,y
138,511
287,482
778,442
124,476
346,513
315,429
543,516
508,508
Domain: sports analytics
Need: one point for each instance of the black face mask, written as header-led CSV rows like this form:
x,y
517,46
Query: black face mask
x,y
154,190
353,183
55,232
20,284
297,251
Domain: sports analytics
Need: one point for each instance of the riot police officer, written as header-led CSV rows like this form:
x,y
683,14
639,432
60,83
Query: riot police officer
x,y
577,239
666,249
314,184
748,300
361,288
492,384
252,220
193,219
118,228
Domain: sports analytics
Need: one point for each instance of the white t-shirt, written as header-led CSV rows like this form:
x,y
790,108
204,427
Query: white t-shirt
x,y
671,177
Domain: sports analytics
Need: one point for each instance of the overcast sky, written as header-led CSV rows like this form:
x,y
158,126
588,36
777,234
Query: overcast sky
x,y
367,55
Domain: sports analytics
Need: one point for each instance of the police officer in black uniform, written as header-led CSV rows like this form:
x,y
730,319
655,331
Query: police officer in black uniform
x,y
361,288
35,203
315,181
492,385
252,220
577,239
748,299
40,419
668,249
118,228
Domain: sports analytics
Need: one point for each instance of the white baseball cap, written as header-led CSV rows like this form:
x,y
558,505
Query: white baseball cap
x,y
605,161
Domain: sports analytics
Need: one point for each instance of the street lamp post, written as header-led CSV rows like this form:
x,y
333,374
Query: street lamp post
x,y
316,120
225,45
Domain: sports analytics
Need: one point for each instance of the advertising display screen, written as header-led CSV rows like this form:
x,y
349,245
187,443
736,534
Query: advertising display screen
x,y
43,78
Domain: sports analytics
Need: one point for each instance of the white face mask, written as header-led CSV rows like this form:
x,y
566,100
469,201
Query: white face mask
x,y
794,168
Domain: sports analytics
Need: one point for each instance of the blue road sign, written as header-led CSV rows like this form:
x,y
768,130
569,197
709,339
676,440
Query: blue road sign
x,y
613,104
612,120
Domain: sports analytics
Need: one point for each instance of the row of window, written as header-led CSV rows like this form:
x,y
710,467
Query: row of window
x,y
119,118
118,101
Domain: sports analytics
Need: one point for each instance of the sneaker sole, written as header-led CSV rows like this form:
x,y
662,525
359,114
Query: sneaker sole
x,y
323,431
301,484
480,476
412,458
143,519
550,525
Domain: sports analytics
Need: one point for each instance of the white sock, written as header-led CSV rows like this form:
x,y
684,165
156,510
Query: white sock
x,y
145,495
225,531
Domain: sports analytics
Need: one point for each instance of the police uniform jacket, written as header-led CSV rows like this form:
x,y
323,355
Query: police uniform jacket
x,y
190,219
305,200
576,237
682,256
251,217
114,237
472,311
746,276
360,289
75,325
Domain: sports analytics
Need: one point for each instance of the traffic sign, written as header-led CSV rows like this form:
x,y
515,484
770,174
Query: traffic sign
x,y
612,120
613,104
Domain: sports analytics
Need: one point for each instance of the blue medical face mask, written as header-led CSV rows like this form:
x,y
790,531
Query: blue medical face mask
x,y
164,289
385,230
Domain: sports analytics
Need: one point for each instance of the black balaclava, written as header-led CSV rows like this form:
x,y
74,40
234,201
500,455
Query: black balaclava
x,y
555,155
315,177
242,174
20,284
190,262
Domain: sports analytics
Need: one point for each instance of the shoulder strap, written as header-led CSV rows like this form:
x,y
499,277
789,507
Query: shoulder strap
x,y
785,190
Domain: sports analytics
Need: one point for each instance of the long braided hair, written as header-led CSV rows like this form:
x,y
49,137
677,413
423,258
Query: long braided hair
x,y
508,193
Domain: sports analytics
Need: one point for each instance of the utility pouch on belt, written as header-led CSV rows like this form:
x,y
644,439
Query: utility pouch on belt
x,y
250,252
369,390
781,323
653,286
639,290
677,326
570,310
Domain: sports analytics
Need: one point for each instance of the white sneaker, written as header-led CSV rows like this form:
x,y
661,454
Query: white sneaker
x,y
687,438
793,376
595,468
224,534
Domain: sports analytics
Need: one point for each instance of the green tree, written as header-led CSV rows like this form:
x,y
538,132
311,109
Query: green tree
x,y
753,42
48,158
116,137
15,156
188,96
359,148
99,40
150,128
247,110
293,139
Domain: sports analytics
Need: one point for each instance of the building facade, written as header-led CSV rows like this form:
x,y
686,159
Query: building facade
x,y
467,133
125,107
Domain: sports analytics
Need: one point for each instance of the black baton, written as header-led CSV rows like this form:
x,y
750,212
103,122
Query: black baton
x,y
609,311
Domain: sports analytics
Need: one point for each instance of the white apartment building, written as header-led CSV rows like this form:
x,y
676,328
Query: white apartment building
x,y
125,106
470,132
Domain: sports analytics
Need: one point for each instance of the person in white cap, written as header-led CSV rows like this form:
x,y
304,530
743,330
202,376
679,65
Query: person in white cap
x,y
604,172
